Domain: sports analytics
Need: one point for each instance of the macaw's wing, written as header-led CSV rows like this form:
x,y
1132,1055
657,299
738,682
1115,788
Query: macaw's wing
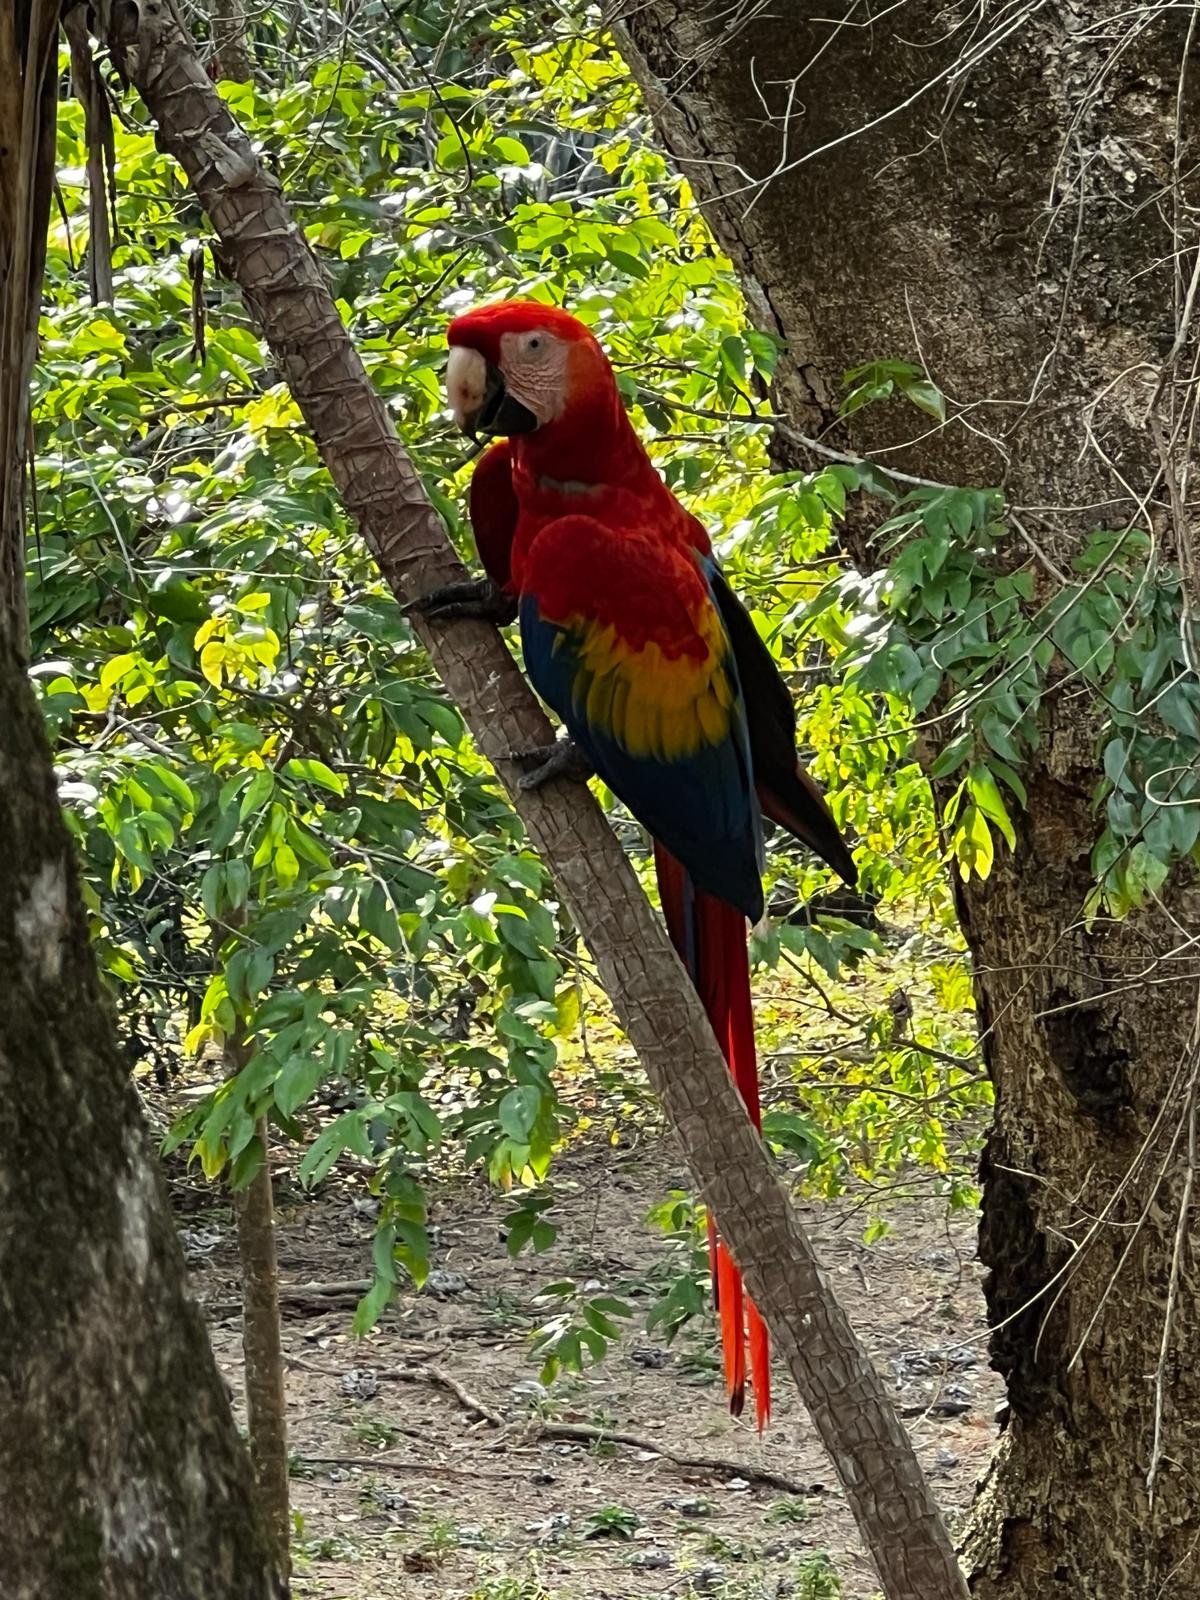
x,y
623,639
492,503
786,792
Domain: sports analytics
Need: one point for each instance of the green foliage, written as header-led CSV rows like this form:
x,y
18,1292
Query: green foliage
x,y
682,1221
818,1578
507,1587
581,1329
971,632
879,380
791,1509
614,1522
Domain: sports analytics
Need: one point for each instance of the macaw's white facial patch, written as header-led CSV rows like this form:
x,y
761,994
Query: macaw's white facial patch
x,y
535,372
466,380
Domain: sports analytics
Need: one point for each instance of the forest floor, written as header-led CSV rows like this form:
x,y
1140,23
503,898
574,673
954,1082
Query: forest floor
x,y
400,1489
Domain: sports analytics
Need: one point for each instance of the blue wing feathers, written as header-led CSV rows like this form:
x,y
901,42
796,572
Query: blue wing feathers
x,y
700,805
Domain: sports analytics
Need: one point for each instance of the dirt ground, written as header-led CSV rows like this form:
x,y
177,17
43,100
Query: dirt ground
x,y
401,1490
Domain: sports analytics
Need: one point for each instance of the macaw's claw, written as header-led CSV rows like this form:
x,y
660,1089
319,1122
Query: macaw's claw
x,y
562,759
475,600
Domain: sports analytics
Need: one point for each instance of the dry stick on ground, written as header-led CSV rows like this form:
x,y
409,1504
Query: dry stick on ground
x,y
585,1433
434,1469
304,1299
284,288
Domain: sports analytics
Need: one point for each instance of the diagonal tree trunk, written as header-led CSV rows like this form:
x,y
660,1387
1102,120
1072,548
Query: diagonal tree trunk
x,y
284,287
1006,195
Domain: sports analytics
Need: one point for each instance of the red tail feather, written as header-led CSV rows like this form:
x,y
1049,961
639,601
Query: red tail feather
x,y
733,1330
760,1364
710,937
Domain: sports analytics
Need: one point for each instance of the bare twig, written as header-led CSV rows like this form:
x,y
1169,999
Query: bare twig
x,y
386,1463
585,1433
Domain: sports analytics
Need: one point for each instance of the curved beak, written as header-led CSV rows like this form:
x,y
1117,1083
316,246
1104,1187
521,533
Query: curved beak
x,y
479,399
500,413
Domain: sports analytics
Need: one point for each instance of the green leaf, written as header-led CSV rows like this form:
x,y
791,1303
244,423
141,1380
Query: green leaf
x,y
286,866
297,1083
346,1132
928,396
764,351
170,780
236,884
372,1306
257,792
1179,708
987,797
952,757
309,770
511,150
518,1111
733,357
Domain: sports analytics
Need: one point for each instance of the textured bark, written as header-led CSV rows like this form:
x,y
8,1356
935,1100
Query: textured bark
x,y
228,20
283,285
121,1471
262,1347
98,136
1009,226
262,1339
28,35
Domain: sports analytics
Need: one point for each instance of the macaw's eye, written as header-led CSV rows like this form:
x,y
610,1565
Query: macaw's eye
x,y
535,343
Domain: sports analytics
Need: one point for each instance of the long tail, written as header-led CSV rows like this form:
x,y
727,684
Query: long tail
x,y
710,937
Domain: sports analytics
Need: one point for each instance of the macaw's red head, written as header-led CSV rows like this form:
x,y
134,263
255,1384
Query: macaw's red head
x,y
518,367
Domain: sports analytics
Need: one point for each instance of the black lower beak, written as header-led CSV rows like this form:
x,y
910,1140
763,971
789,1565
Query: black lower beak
x,y
500,415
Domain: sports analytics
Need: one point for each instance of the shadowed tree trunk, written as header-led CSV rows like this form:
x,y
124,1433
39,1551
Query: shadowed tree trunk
x,y
232,49
101,160
285,290
991,192
28,37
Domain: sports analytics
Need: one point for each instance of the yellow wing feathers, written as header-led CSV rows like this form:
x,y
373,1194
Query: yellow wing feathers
x,y
653,703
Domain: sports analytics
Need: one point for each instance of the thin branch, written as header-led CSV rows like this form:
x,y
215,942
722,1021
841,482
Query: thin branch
x,y
585,1433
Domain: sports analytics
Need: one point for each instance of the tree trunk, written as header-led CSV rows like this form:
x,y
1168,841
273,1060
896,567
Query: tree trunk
x,y
98,137
988,192
284,287
262,1342
121,1471
230,45
28,117
262,1348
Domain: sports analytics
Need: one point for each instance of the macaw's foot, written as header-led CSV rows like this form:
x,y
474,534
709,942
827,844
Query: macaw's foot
x,y
562,759
476,600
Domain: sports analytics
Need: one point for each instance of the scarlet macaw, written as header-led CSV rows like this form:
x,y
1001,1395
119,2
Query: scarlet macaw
x,y
632,635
